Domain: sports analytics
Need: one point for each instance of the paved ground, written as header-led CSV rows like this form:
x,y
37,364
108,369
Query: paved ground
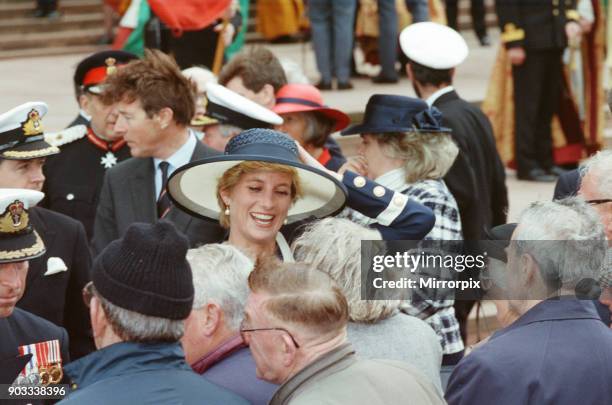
x,y
50,79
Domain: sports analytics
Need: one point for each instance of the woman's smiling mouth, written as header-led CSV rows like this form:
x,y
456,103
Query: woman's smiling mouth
x,y
262,219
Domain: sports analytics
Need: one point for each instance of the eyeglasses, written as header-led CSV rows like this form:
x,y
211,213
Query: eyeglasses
x,y
88,293
600,201
602,205
243,331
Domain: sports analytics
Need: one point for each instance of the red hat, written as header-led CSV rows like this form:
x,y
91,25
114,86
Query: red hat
x,y
293,98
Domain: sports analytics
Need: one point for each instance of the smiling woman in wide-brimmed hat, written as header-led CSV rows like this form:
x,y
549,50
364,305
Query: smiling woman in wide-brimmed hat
x,y
258,185
307,120
265,179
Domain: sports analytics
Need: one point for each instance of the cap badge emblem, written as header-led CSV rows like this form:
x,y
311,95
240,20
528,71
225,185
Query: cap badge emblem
x,y
33,125
14,218
110,66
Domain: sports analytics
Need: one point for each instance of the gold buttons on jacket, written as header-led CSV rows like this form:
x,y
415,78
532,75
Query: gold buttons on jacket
x,y
359,181
555,12
379,191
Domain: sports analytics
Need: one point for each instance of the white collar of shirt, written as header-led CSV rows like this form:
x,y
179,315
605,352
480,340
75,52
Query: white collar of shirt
x,y
181,157
83,114
432,99
395,179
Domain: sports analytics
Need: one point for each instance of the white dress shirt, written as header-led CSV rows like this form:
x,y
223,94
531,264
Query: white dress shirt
x,y
432,99
181,157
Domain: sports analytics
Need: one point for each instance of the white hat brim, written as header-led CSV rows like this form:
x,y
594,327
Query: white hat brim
x,y
193,188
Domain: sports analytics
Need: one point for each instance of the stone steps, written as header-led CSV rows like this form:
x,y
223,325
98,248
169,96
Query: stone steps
x,y
81,24
22,8
51,51
23,35
34,40
67,22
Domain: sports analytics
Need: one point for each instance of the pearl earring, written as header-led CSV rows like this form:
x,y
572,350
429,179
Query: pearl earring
x,y
226,212
285,221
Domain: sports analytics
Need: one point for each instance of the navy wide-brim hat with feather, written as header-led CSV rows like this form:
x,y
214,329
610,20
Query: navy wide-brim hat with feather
x,y
193,187
389,113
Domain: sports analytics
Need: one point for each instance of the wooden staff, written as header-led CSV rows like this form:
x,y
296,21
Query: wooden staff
x,y
218,61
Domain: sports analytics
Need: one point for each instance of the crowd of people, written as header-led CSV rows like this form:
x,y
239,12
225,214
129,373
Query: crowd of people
x,y
202,238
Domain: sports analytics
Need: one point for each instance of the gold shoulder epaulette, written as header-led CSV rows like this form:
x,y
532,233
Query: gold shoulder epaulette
x,y
572,15
512,33
66,135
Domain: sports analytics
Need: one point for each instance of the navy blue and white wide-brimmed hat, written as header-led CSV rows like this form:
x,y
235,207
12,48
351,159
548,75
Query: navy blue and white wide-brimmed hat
x,y
193,187
21,133
389,113
18,239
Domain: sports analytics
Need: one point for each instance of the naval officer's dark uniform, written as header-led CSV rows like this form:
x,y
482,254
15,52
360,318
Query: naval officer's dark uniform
x,y
538,26
74,177
57,297
23,328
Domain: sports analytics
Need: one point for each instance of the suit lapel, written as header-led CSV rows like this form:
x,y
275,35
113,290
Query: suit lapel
x,y
142,192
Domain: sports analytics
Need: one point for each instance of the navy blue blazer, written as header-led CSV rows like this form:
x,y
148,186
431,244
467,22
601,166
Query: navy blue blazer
x,y
558,353
398,217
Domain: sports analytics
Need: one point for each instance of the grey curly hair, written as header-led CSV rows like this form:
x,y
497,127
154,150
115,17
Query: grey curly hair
x,y
333,246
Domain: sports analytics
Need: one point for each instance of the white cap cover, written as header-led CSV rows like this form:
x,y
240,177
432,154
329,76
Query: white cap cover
x,y
433,45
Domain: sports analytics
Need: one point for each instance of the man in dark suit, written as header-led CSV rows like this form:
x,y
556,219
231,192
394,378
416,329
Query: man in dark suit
x,y
535,33
88,149
558,351
155,103
31,349
431,68
55,280
477,179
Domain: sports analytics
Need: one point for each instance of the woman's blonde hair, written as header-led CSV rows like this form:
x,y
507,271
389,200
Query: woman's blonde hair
x,y
427,156
232,176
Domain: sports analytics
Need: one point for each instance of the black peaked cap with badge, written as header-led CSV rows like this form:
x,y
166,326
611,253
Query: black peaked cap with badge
x,y
92,70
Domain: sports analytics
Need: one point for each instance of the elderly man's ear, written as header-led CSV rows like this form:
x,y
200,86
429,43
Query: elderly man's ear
x,y
102,331
213,319
288,350
529,269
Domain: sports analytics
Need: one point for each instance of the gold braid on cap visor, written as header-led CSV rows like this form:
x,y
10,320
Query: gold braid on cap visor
x,y
38,247
30,154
